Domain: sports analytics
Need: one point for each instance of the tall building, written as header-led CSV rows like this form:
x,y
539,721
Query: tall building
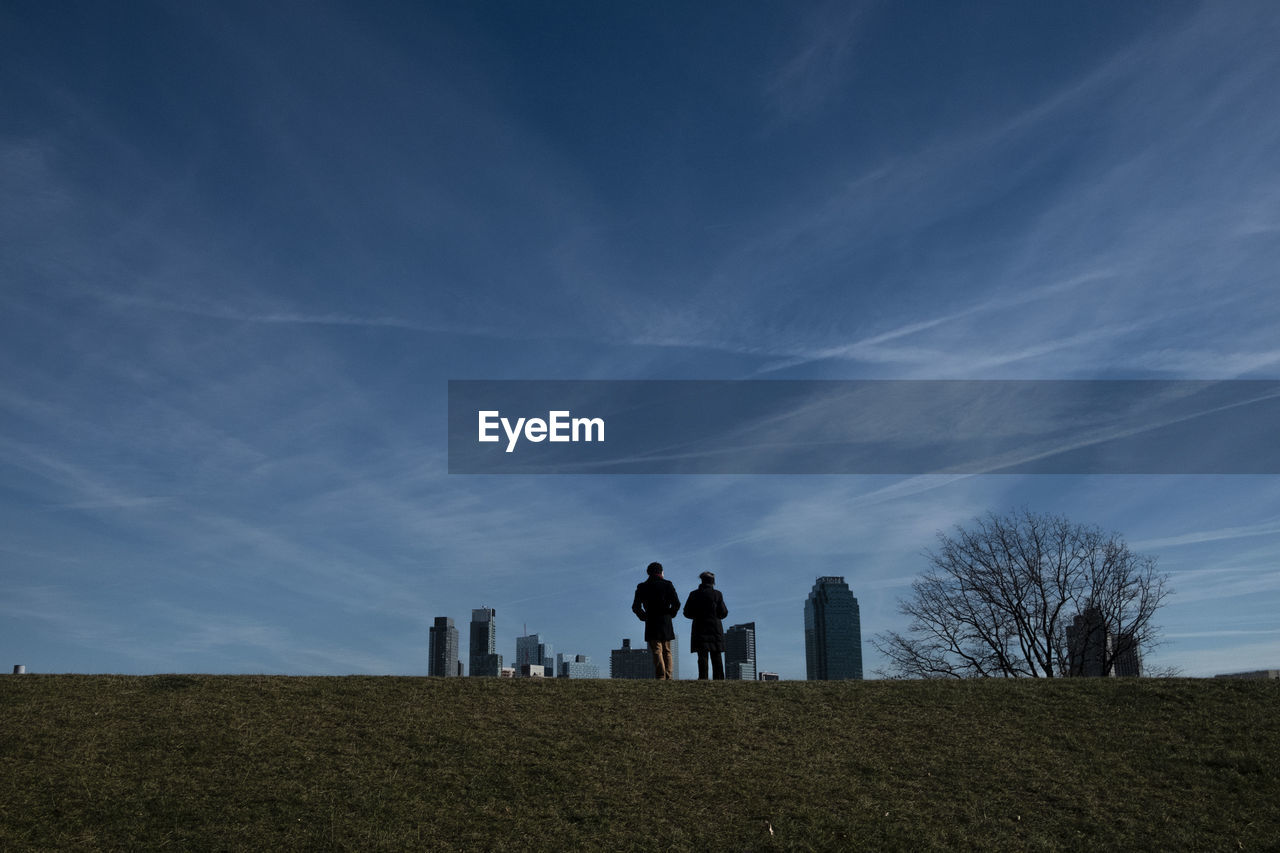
x,y
1088,643
1093,651
576,666
627,662
442,653
484,642
740,652
531,650
1128,659
832,632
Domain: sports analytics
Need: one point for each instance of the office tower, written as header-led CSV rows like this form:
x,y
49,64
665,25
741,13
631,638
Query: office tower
x,y
1088,643
531,650
832,632
628,662
576,666
1093,651
442,654
740,652
1128,659
484,640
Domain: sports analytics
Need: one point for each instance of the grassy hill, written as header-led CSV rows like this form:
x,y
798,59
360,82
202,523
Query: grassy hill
x,y
274,763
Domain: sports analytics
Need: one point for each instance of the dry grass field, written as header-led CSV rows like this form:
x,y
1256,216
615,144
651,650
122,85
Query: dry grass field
x,y
396,763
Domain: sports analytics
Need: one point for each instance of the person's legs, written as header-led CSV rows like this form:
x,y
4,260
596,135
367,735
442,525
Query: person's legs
x,y
702,664
717,666
661,652
655,652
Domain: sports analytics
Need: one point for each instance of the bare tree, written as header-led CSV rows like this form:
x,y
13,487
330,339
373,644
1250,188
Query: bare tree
x,y
1026,595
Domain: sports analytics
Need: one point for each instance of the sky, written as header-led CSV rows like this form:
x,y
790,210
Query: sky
x,y
244,248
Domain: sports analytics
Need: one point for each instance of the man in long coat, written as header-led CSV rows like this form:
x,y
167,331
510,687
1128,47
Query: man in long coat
x,y
655,603
705,606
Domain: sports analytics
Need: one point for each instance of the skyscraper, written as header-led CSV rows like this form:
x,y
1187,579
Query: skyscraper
x,y
484,641
832,632
1128,660
1088,643
1093,651
531,650
442,653
740,652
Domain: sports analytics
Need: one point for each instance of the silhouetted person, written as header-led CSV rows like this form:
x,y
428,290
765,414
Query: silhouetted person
x,y
705,606
655,603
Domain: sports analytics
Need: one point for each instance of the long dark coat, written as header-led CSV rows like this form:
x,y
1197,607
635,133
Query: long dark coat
x,y
705,606
655,603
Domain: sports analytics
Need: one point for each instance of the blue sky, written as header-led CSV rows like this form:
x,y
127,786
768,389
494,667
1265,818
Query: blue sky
x,y
245,247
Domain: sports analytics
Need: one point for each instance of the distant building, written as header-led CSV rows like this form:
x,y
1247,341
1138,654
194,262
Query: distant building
x,y
442,652
531,670
628,662
1257,673
507,672
832,632
768,676
577,666
531,650
1093,651
740,652
1088,645
1127,662
485,661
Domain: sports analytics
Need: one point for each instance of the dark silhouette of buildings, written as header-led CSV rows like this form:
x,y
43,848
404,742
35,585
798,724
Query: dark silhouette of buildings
x,y
832,632
1093,651
442,653
1128,658
628,662
1253,674
740,652
484,639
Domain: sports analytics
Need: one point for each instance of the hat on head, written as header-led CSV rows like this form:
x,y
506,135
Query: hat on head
x,y
708,577
654,569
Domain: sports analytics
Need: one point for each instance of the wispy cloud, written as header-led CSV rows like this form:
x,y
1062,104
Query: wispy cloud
x,y
818,67
1216,535
1090,278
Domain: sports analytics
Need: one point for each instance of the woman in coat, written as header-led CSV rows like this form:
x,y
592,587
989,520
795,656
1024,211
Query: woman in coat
x,y
705,606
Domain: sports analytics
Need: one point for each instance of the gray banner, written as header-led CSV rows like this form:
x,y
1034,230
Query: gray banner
x,y
864,427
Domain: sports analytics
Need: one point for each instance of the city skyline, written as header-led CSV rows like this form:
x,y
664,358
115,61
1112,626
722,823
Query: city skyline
x,y
249,246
